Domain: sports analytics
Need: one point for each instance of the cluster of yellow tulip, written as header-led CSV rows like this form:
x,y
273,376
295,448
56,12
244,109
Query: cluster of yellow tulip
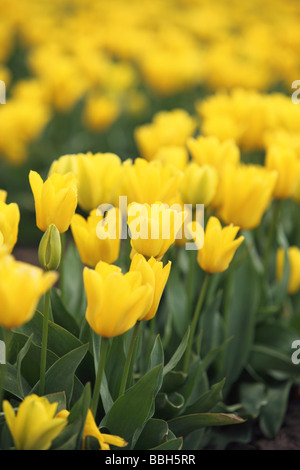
x,y
157,48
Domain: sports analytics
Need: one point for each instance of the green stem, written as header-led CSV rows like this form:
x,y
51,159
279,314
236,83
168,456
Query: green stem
x,y
101,366
194,324
149,340
44,342
129,358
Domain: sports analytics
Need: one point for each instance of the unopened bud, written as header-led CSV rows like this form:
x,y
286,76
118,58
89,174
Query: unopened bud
x,y
50,249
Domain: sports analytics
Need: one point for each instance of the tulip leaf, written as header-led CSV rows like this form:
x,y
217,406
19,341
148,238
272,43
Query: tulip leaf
x,y
157,353
155,432
264,359
178,354
272,414
169,405
173,381
60,376
207,400
59,398
135,406
10,383
172,444
183,425
61,316
177,301
20,358
243,296
74,293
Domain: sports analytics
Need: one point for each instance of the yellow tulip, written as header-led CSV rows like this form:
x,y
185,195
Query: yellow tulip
x,y
9,227
98,175
3,195
115,301
55,200
105,440
147,182
97,238
199,184
65,164
91,429
219,246
285,161
293,254
153,228
246,193
156,275
21,288
34,426
209,150
173,154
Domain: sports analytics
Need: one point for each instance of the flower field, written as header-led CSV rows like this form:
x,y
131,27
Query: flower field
x,y
149,223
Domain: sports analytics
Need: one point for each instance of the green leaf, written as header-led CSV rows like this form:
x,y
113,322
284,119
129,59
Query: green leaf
x,y
133,409
9,378
272,414
115,365
183,425
241,307
157,353
172,444
61,316
169,405
60,376
178,354
173,381
74,293
20,358
154,433
177,301
208,400
264,360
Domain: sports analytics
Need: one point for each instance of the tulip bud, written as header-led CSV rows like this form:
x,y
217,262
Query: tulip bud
x,y
50,249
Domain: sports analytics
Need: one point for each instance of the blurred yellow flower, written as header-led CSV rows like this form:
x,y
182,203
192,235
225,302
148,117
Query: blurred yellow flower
x,y
173,155
219,246
199,184
55,200
98,177
9,225
100,112
115,301
147,182
153,228
156,275
293,254
21,288
97,238
287,164
246,193
34,425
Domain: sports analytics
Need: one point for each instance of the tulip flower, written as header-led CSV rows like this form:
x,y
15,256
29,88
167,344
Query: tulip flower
x,y
9,226
147,182
246,193
156,275
285,161
35,425
3,195
55,200
219,246
293,254
115,301
21,288
153,229
199,184
91,429
98,175
97,238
